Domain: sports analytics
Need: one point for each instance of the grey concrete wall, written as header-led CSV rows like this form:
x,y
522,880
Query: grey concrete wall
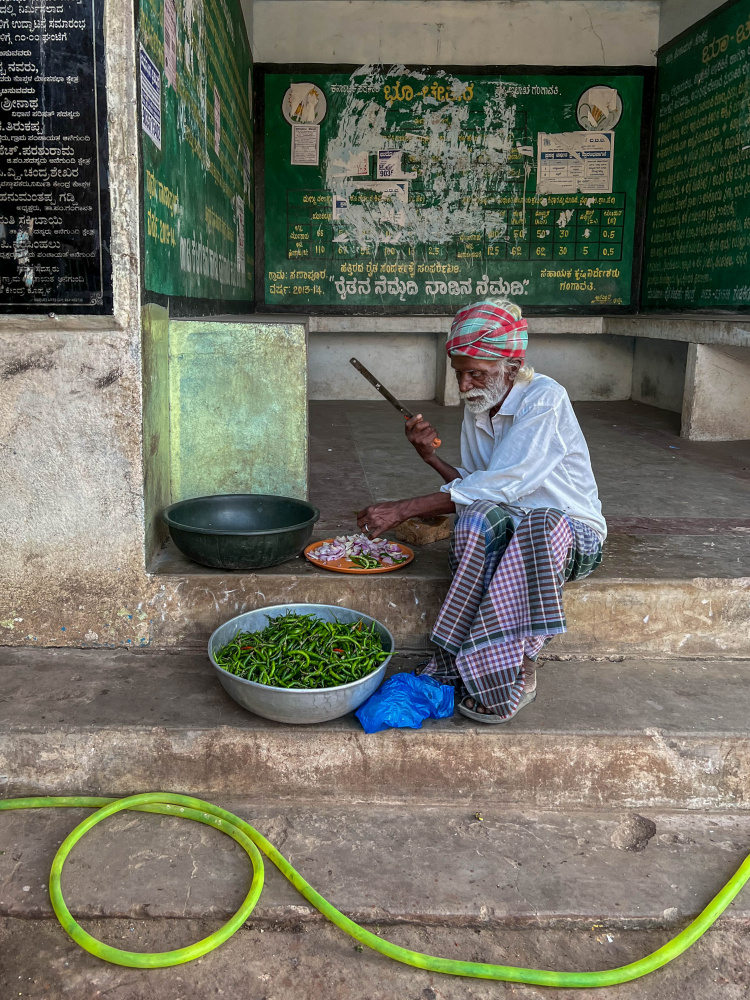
x,y
444,32
676,15
659,373
405,362
71,474
590,367
717,394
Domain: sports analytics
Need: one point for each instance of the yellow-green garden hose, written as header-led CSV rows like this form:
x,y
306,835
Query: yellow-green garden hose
x,y
250,840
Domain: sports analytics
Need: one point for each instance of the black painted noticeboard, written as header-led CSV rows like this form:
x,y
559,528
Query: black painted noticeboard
x,y
54,205
698,232
417,190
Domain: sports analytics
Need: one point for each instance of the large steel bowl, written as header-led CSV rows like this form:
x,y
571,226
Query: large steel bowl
x,y
241,530
297,705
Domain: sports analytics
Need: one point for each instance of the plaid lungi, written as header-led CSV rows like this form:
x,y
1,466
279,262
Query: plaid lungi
x,y
505,600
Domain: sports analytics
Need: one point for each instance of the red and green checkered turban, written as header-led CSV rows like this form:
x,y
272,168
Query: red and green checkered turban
x,y
487,329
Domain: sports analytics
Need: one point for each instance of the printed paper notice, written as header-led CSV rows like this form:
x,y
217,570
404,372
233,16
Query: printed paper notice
x,y
217,120
569,162
389,166
239,212
170,42
150,98
305,145
340,205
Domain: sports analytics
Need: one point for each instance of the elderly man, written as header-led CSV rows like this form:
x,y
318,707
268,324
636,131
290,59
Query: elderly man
x,y
529,516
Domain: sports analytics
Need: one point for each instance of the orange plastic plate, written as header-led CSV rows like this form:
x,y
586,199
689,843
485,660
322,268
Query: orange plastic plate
x,y
347,566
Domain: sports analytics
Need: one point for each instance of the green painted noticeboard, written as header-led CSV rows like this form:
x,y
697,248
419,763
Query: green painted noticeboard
x,y
196,98
417,190
698,233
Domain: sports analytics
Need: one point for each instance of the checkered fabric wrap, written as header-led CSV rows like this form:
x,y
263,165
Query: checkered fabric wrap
x,y
506,597
486,330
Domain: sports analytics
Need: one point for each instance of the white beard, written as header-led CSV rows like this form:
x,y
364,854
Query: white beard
x,y
480,400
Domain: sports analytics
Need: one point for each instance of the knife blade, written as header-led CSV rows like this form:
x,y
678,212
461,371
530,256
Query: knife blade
x,y
377,384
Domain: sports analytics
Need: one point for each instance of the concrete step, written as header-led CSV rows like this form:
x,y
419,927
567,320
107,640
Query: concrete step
x,y
323,963
654,595
421,864
667,734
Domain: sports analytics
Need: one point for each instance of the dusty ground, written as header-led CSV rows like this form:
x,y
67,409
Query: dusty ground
x,y
319,962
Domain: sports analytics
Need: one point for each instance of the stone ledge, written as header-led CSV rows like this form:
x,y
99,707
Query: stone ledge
x,y
636,734
665,595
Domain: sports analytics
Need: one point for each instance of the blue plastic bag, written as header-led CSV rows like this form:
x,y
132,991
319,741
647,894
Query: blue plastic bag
x,y
405,701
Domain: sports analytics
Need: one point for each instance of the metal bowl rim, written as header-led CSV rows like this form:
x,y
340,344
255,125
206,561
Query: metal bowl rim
x,y
310,691
167,516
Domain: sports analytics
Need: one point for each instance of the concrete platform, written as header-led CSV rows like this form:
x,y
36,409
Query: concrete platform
x,y
634,734
676,573
644,469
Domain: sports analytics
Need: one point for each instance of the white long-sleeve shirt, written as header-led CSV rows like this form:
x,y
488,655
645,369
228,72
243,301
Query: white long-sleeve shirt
x,y
531,454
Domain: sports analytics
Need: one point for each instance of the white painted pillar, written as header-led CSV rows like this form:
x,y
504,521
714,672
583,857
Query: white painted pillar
x,y
446,386
716,404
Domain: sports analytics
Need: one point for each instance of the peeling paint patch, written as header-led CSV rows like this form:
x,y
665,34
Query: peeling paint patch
x,y
440,147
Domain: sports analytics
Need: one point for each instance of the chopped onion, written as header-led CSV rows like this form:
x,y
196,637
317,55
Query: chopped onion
x,y
349,546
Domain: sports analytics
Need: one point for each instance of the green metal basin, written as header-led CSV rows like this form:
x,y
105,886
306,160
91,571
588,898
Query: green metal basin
x,y
241,530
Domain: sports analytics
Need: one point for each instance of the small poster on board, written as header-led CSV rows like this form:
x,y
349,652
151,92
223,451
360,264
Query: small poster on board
x,y
389,166
239,218
150,98
572,162
305,145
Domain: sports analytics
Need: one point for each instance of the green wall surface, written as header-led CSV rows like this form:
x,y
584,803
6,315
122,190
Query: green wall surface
x,y
156,485
196,115
238,408
697,237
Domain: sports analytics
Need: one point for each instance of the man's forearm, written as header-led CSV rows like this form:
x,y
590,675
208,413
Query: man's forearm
x,y
442,468
427,506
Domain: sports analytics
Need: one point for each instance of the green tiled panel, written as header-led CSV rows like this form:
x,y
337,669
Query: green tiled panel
x,y
238,408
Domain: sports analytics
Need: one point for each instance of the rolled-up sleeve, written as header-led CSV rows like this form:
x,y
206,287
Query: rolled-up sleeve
x,y
520,463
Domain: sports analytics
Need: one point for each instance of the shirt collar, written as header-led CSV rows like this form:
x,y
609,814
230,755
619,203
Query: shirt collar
x,y
509,408
513,399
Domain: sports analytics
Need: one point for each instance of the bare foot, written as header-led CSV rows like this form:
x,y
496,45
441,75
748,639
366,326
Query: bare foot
x,y
474,706
529,667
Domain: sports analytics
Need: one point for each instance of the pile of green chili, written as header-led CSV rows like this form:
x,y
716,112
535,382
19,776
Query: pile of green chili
x,y
302,651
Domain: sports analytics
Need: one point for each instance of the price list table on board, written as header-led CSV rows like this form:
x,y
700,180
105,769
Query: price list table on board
x,y
571,228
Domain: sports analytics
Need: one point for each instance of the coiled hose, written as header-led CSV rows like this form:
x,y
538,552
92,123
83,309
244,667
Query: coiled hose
x,y
250,840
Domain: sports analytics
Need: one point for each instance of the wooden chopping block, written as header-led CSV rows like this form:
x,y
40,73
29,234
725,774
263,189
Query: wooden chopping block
x,y
423,530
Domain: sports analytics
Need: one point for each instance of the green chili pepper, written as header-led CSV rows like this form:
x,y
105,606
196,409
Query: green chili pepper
x,y
301,651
